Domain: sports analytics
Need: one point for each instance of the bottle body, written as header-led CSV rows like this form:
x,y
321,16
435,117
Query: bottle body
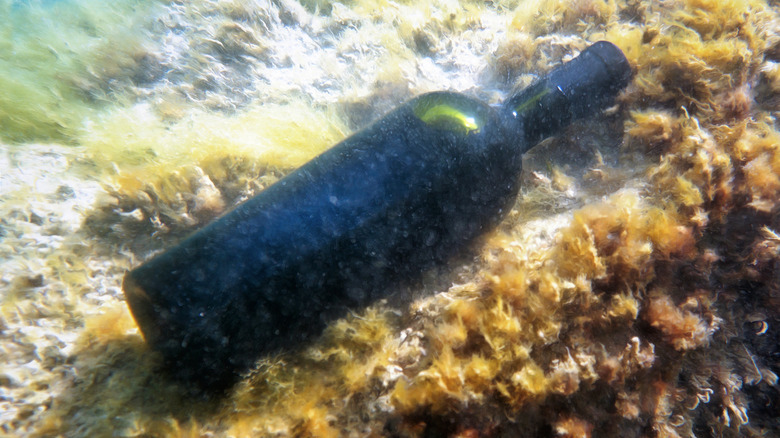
x,y
409,192
385,204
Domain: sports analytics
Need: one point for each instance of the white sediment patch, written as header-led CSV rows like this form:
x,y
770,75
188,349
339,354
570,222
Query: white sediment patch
x,y
43,201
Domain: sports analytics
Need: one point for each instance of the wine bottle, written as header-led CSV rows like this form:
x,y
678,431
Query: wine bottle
x,y
381,207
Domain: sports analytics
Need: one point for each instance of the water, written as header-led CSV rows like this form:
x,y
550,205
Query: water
x,y
632,288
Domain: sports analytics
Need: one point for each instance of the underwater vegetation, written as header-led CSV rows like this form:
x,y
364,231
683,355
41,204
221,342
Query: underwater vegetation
x,y
632,291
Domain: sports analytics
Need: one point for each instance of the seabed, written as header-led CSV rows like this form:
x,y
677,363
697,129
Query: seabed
x,y
633,290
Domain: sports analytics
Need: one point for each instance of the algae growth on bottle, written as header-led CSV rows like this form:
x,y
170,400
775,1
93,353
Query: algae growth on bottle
x,y
389,202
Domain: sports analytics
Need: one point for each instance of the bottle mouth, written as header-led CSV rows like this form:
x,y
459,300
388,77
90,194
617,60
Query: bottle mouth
x,y
617,66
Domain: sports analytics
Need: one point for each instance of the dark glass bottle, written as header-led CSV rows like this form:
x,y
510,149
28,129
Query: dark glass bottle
x,y
410,191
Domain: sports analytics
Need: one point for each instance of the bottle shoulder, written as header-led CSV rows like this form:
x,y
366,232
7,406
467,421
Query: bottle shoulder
x,y
453,112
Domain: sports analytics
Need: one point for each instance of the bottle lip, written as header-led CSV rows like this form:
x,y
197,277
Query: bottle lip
x,y
614,60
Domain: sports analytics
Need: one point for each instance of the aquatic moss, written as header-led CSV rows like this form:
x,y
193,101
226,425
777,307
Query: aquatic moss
x,y
543,17
168,176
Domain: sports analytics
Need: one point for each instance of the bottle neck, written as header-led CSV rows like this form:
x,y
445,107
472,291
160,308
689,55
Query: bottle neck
x,y
582,87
